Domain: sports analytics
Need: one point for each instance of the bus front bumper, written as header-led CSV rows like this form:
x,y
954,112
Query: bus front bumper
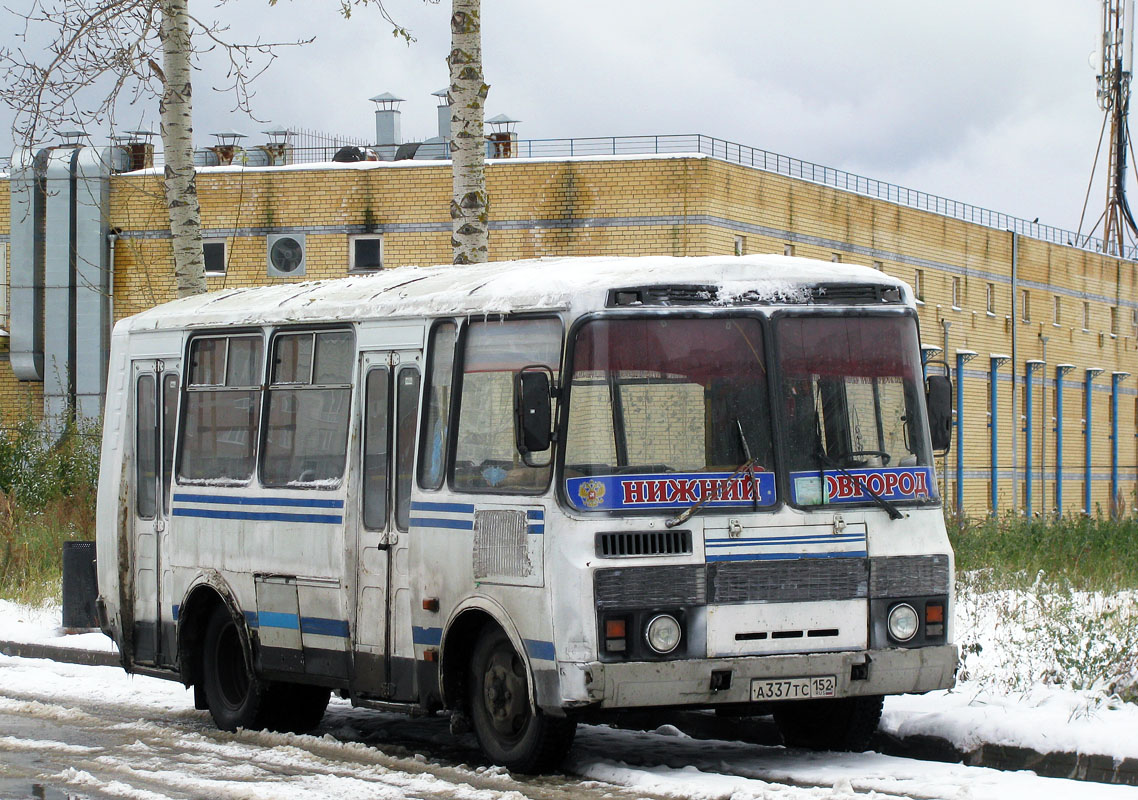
x,y
705,682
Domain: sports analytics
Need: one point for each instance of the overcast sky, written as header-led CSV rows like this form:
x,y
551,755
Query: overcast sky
x,y
990,102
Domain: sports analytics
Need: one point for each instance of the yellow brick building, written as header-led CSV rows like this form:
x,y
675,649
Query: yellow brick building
x,y
1072,307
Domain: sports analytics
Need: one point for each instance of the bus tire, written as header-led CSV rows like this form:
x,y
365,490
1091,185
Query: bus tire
x,y
510,731
846,723
233,692
293,707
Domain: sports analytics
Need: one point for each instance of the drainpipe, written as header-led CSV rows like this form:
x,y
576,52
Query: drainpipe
x,y
995,361
1043,428
1015,360
1088,407
1115,379
112,238
962,358
1029,368
1060,371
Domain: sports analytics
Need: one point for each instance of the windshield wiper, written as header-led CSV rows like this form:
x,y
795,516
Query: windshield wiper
x,y
748,466
890,509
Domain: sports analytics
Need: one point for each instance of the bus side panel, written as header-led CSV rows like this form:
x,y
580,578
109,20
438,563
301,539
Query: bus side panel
x,y
112,514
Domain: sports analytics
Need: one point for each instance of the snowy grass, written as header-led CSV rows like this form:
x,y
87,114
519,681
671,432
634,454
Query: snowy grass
x,y
47,497
1086,553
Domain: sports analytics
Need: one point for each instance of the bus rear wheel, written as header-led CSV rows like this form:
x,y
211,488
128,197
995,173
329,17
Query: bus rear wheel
x,y
233,692
846,723
510,731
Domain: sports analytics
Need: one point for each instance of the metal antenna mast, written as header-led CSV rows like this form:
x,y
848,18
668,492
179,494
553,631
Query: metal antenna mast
x,y
1114,99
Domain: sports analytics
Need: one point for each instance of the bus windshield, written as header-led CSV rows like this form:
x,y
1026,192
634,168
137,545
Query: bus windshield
x,y
665,412
851,404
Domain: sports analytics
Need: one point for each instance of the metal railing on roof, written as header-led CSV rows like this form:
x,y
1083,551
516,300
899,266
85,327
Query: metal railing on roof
x,y
732,152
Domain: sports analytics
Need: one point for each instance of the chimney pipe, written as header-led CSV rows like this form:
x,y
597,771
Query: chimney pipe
x,y
387,119
444,113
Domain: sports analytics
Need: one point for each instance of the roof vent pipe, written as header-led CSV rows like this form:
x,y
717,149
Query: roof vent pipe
x,y
387,119
444,113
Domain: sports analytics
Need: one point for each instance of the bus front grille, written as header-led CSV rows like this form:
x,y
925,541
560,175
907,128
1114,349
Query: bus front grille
x,y
643,543
902,576
648,587
793,581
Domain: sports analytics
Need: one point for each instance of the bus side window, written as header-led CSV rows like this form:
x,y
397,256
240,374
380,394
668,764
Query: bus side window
x,y
222,408
408,411
377,399
146,450
310,394
440,376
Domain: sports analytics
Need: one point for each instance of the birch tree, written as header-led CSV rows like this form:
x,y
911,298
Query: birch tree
x,y
470,204
102,51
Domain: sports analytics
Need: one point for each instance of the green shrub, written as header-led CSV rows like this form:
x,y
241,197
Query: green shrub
x,y
48,484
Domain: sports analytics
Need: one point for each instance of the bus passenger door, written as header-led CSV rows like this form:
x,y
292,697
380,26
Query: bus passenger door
x,y
389,412
155,414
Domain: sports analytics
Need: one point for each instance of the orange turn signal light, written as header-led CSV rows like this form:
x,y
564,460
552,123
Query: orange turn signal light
x,y
934,612
614,628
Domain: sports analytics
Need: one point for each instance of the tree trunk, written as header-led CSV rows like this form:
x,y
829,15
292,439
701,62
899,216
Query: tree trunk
x,y
470,205
178,148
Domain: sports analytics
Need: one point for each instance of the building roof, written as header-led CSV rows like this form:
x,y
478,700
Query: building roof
x,y
576,284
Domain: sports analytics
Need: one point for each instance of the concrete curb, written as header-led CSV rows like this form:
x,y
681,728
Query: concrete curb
x,y
67,655
762,731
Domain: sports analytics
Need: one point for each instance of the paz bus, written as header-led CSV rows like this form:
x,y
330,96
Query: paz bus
x,y
528,494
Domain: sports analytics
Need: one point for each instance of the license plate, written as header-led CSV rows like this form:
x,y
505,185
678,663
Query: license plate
x,y
794,688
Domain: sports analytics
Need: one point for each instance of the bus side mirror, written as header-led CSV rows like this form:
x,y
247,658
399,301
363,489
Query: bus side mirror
x,y
533,417
938,400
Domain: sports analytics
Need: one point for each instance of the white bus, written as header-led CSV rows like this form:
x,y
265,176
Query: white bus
x,y
531,493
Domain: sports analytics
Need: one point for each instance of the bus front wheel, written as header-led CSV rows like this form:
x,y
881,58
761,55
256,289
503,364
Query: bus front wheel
x,y
846,723
233,693
510,731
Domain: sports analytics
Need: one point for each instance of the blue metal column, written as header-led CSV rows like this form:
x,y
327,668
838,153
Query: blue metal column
x,y
962,358
1060,371
1115,379
1088,407
995,362
1029,368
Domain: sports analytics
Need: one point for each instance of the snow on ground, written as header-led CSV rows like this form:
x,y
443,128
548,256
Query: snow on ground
x,y
1003,701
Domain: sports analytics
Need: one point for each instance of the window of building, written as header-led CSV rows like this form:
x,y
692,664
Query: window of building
x,y
486,454
919,285
788,249
1086,316
1025,305
1134,324
440,377
310,392
956,299
836,258
990,300
365,252
740,245
1114,320
223,404
214,251
1057,312
879,266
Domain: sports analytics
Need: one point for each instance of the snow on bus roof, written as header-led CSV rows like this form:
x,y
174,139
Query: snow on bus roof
x,y
576,284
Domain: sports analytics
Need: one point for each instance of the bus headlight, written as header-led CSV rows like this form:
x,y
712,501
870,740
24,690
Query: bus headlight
x,y
903,622
663,633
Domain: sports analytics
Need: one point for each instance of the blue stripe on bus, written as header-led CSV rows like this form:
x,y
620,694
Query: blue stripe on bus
x,y
541,651
537,529
259,516
241,500
535,513
441,522
278,619
454,508
784,540
252,620
786,556
428,636
319,626
174,609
